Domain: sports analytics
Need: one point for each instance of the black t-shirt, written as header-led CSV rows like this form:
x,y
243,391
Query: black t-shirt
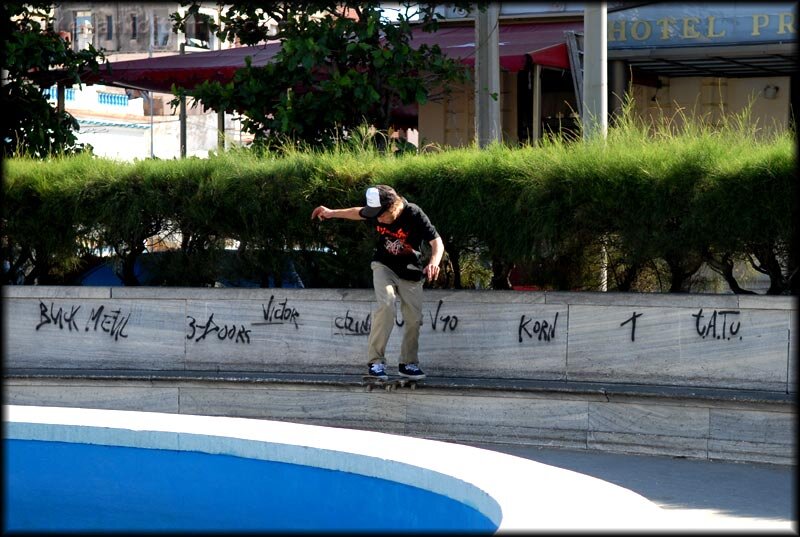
x,y
399,243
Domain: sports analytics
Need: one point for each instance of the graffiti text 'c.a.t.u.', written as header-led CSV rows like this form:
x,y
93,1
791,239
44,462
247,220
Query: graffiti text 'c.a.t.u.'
x,y
714,329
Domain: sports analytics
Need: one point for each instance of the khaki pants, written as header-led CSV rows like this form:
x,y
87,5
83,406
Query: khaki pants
x,y
388,286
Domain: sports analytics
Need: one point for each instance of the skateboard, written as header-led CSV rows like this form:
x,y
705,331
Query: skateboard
x,y
391,384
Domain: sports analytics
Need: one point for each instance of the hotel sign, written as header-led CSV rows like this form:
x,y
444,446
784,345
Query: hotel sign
x,y
690,25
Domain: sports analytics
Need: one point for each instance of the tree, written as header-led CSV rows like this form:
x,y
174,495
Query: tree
x,y
35,56
341,64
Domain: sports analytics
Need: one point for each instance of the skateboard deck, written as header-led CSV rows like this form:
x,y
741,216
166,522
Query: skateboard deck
x,y
390,384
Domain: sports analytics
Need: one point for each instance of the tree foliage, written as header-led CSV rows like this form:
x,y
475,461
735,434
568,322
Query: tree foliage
x,y
340,65
35,56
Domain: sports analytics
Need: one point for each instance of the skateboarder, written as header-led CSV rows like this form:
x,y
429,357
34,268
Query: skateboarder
x,y
397,271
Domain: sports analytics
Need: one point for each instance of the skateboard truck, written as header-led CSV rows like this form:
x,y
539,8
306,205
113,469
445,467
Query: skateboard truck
x,y
390,384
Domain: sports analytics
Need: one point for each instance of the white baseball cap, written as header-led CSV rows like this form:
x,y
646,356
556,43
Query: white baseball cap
x,y
379,198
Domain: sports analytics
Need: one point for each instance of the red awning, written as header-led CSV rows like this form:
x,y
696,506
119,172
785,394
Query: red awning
x,y
552,56
544,42
184,70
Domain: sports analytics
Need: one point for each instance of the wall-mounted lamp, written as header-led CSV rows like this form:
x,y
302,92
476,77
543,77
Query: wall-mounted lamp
x,y
770,91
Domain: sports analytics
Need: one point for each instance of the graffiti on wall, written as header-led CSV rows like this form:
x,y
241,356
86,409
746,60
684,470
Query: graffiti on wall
x,y
541,330
719,325
714,325
279,313
224,332
351,324
102,320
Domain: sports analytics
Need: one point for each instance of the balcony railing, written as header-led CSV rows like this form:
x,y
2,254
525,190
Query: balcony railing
x,y
113,99
52,93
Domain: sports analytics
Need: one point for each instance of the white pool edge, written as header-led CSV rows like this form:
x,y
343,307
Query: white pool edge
x,y
516,494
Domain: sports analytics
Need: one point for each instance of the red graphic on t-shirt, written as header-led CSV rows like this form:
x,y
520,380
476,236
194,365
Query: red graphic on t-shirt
x,y
394,241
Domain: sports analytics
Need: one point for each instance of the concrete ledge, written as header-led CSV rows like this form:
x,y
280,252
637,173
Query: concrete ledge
x,y
584,298
745,429
55,291
607,390
517,494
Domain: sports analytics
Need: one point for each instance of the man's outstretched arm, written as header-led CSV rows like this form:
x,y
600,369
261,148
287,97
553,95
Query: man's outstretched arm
x,y
323,213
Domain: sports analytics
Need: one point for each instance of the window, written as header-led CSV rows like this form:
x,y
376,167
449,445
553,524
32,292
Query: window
x,y
109,27
84,30
197,32
162,27
134,27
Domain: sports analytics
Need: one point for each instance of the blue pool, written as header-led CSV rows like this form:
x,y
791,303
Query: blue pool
x,y
61,486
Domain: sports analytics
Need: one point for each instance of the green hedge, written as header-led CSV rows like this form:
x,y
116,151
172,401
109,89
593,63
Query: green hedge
x,y
656,206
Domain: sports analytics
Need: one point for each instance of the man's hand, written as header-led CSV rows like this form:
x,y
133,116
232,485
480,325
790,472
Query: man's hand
x,y
431,271
321,213
349,213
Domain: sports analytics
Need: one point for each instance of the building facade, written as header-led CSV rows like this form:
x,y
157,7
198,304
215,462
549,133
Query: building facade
x,y
125,123
676,60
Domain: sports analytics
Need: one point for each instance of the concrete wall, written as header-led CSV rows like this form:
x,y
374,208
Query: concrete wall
x,y
696,97
718,341
708,376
